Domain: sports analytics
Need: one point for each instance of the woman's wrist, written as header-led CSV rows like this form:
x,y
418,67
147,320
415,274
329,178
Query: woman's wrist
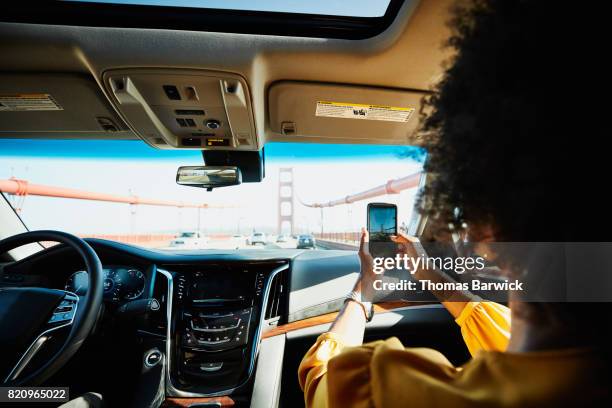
x,y
366,307
350,324
356,306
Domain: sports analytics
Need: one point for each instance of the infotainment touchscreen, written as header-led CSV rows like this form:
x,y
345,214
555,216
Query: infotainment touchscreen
x,y
221,286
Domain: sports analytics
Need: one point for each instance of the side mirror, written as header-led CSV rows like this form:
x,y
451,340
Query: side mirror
x,y
208,177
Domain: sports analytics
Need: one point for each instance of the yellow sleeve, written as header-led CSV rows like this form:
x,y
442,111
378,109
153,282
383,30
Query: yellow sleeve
x,y
385,374
335,376
485,326
312,370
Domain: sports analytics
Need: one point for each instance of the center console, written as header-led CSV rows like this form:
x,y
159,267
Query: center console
x,y
216,314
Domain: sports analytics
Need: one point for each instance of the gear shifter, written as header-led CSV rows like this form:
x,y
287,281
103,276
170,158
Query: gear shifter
x,y
137,308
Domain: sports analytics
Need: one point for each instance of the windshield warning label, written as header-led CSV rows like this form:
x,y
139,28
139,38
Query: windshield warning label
x,y
366,112
28,102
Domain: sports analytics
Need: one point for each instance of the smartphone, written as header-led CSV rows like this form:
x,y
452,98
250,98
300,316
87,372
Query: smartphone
x,y
382,221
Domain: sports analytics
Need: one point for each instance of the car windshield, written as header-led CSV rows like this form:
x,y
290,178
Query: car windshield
x,y
126,191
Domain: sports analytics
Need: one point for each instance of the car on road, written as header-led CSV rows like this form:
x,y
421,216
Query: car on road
x,y
258,238
282,238
306,241
189,240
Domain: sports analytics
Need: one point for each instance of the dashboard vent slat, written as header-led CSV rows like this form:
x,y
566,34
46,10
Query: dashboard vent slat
x,y
277,298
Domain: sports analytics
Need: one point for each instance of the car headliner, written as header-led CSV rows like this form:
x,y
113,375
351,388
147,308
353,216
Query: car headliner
x,y
407,56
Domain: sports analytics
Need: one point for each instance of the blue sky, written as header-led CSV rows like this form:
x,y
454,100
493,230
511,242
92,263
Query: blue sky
x,y
360,8
138,150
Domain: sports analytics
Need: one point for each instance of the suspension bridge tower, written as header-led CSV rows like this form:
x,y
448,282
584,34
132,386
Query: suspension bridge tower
x,y
285,201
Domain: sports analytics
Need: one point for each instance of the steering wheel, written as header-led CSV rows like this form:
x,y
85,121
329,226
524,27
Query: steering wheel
x,y
30,316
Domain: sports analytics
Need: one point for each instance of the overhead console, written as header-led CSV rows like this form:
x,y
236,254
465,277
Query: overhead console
x,y
185,109
337,113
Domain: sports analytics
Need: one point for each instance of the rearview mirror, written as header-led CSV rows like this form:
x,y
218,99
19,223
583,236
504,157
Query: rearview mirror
x,y
208,177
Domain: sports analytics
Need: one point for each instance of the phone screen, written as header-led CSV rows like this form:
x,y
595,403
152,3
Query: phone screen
x,y
382,221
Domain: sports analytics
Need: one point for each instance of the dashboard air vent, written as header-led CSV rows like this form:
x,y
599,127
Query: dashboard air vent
x,y
277,300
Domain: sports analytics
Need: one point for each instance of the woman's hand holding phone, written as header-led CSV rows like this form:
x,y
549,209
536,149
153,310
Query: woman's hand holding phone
x,y
410,246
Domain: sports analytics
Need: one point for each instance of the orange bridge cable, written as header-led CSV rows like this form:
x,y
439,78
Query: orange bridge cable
x,y
23,188
394,186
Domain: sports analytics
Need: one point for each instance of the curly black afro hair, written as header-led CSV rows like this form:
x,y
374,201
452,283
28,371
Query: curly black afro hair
x,y
516,134
497,127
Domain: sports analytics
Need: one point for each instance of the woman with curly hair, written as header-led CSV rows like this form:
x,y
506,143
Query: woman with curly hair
x,y
499,164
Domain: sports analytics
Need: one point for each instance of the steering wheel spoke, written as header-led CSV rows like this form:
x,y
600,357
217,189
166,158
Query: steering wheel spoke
x,y
62,317
34,316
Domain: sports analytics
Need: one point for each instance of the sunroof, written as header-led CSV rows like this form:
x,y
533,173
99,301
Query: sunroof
x,y
344,8
343,19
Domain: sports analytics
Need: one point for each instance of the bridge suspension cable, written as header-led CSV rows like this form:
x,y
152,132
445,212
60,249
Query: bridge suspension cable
x,y
394,186
20,187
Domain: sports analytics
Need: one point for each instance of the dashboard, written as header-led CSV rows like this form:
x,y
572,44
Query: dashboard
x,y
121,283
204,312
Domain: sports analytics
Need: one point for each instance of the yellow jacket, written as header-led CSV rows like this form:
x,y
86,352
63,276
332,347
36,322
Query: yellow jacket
x,y
385,374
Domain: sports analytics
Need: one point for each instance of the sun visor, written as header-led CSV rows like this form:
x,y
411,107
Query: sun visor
x,y
56,106
331,113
